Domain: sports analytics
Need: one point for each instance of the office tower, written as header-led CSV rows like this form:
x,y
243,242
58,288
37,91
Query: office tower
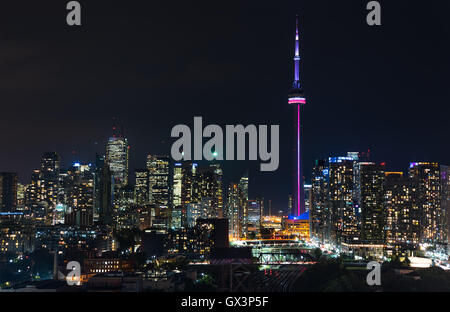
x,y
233,209
177,184
117,155
49,176
105,194
21,189
32,195
243,185
307,191
402,215
255,207
158,168
179,212
237,211
369,187
255,213
188,171
98,169
182,183
217,190
209,234
194,211
320,218
64,183
445,198
145,217
178,218
427,177
127,217
296,98
80,196
207,189
124,198
344,223
141,188
8,191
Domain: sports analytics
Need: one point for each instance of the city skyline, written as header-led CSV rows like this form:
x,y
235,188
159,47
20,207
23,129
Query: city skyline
x,y
353,105
118,119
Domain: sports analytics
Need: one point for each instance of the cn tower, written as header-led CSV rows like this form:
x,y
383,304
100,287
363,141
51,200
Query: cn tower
x,y
296,98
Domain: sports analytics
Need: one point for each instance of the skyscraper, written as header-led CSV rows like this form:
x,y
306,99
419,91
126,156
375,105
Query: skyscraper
x,y
80,196
237,208
49,176
207,190
32,196
234,210
297,99
243,185
8,191
141,188
117,156
255,214
184,212
177,184
307,191
105,194
159,188
21,197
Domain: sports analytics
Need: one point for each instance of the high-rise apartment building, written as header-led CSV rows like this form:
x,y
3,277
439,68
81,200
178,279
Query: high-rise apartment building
x,y
49,176
344,221
432,223
369,187
319,215
32,195
445,197
237,209
402,215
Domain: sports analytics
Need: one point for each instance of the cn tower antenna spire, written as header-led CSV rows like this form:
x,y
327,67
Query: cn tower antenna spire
x,y
296,84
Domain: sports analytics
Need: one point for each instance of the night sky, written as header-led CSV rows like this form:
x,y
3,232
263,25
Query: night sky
x,y
155,64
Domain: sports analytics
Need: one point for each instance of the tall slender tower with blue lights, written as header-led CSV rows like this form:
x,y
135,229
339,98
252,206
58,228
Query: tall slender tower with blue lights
x,y
296,98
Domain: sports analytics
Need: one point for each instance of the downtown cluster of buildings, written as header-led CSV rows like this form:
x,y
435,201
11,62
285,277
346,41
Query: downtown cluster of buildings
x,y
362,207
96,214
84,206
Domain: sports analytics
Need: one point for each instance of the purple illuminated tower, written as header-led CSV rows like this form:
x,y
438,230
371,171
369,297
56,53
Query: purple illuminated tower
x,y
297,99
